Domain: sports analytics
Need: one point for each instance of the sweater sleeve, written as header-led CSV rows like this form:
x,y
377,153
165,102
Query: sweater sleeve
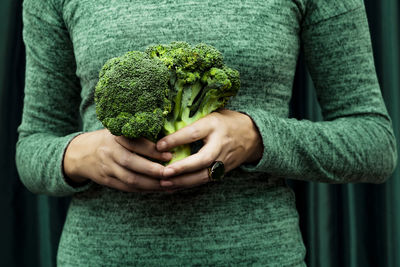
x,y
51,103
355,142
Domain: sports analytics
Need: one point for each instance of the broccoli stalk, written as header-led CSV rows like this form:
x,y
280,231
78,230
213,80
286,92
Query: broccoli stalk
x,y
201,84
163,90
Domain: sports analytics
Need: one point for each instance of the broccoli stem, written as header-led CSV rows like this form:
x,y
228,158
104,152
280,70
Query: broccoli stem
x,y
180,152
178,99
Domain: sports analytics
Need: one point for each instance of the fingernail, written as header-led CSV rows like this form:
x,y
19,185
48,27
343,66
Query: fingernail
x,y
162,145
168,171
167,183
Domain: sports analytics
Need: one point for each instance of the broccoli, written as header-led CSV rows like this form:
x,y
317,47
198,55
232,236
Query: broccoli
x,y
159,91
131,95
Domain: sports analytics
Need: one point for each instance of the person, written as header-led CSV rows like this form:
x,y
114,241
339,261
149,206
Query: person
x,y
126,208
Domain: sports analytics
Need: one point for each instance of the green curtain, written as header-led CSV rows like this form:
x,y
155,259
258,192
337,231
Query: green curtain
x,y
30,225
342,225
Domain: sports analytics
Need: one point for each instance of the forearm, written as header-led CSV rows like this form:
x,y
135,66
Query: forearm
x,y
355,143
358,148
39,160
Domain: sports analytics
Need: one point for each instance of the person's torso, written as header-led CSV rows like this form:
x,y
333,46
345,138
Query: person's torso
x,y
259,38
248,218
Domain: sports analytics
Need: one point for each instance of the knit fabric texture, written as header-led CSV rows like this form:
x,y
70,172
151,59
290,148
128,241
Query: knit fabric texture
x,y
250,218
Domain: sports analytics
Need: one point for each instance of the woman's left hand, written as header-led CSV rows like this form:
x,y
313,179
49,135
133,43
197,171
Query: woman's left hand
x,y
228,136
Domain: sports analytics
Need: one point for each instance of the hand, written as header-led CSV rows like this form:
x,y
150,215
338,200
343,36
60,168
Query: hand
x,y
115,162
228,136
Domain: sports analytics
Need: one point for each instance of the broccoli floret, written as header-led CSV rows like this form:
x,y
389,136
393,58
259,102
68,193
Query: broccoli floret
x,y
163,90
200,84
132,95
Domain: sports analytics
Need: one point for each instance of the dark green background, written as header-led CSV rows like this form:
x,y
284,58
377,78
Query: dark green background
x,y
342,225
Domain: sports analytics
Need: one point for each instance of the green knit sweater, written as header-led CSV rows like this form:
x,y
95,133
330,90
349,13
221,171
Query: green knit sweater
x,y
250,218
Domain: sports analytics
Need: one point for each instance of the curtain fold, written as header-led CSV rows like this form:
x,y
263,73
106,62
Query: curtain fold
x,y
342,225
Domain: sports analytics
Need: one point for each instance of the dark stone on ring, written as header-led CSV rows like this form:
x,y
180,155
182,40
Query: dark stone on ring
x,y
216,171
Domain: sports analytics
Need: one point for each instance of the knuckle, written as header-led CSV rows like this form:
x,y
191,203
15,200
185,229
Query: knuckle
x,y
106,180
207,160
103,151
179,168
194,133
215,121
124,160
228,139
132,180
171,141
156,170
104,170
229,158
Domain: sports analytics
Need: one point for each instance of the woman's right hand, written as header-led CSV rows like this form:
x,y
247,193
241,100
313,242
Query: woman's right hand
x,y
115,162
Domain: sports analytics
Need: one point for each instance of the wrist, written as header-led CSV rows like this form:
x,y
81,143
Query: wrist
x,y
256,148
72,159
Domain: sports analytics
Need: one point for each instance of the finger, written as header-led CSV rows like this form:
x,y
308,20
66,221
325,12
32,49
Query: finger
x,y
189,134
201,160
112,182
136,180
137,163
116,184
186,181
143,147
